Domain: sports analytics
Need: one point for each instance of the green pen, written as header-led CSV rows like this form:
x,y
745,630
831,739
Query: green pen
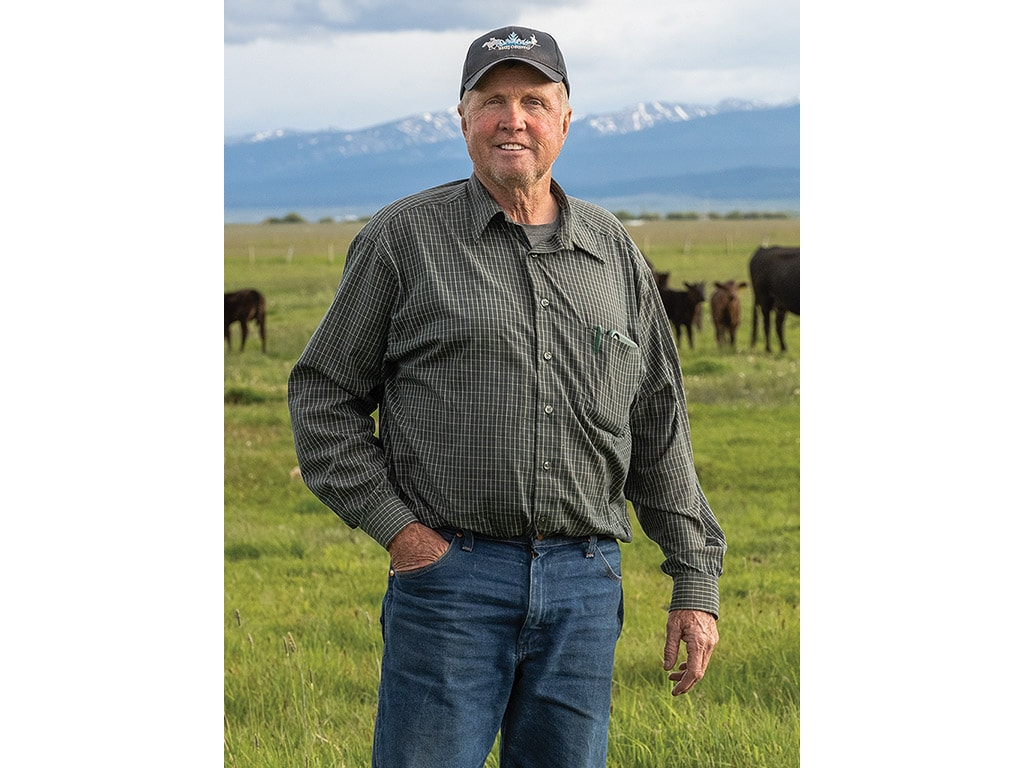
x,y
597,339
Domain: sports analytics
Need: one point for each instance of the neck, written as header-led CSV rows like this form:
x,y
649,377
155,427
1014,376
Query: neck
x,y
525,205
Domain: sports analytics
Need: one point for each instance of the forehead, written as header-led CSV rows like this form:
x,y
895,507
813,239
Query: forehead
x,y
513,74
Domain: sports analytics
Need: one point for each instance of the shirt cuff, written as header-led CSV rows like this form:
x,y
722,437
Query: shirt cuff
x,y
384,523
695,592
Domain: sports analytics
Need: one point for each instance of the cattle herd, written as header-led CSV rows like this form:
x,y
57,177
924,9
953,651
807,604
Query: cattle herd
x,y
774,280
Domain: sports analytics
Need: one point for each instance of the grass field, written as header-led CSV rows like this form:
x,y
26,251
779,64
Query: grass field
x,y
302,591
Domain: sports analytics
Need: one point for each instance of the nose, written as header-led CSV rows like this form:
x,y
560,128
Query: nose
x,y
513,117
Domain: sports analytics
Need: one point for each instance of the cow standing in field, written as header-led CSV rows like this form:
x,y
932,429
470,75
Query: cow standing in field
x,y
725,311
243,307
775,279
684,308
660,278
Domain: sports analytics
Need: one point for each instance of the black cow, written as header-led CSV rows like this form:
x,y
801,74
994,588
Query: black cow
x,y
684,308
775,279
660,278
243,307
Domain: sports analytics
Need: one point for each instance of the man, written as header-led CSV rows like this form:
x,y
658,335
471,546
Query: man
x,y
528,384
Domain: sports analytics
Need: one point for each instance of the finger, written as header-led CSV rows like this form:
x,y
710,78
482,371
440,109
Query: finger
x,y
690,672
673,637
684,683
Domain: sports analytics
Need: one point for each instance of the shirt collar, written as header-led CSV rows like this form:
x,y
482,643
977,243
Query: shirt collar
x,y
571,233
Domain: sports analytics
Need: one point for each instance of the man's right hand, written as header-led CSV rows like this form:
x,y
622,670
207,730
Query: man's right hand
x,y
416,546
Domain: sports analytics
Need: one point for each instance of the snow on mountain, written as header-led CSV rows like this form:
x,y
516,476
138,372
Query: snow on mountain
x,y
652,154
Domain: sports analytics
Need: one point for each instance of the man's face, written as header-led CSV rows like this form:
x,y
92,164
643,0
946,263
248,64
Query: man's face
x,y
515,121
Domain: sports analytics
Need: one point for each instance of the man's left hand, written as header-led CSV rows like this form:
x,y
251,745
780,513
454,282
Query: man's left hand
x,y
699,632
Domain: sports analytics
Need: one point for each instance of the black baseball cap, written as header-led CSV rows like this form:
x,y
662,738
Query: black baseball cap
x,y
530,46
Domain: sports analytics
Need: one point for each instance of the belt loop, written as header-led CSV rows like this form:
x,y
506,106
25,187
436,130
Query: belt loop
x,y
467,540
592,545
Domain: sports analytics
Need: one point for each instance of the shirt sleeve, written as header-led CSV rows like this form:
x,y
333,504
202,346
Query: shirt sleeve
x,y
662,482
336,386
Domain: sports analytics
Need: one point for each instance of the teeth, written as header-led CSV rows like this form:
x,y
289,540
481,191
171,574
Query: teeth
x,y
512,146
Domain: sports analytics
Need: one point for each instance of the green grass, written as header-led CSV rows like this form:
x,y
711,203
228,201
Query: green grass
x,y
302,591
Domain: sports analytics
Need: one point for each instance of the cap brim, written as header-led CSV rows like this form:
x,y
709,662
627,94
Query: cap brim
x,y
545,70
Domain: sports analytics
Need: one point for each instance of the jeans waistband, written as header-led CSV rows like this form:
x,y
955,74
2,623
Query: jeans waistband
x,y
528,541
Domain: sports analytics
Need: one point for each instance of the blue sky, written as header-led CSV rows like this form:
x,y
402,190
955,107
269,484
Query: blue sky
x,y
355,63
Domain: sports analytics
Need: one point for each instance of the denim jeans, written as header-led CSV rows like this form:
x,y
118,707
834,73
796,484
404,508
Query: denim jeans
x,y
510,635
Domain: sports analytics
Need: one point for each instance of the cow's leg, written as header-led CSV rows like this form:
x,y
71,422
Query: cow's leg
x,y
689,336
780,319
227,334
767,315
245,335
263,331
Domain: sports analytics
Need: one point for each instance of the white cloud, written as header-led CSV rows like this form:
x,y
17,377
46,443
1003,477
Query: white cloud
x,y
333,64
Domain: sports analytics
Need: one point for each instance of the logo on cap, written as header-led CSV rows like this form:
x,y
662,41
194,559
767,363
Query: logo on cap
x,y
512,42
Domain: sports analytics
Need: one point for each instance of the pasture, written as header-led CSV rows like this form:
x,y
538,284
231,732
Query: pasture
x,y
302,591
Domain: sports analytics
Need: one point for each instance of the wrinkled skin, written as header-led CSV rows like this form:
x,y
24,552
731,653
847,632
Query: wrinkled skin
x,y
515,122
698,632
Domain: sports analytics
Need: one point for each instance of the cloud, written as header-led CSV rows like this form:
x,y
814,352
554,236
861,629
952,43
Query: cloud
x,y
249,20
313,65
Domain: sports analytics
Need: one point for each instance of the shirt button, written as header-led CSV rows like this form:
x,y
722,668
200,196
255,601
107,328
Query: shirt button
x,y
544,302
547,465
547,355
548,409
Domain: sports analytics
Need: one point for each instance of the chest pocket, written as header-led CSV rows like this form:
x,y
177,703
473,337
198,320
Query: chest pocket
x,y
614,378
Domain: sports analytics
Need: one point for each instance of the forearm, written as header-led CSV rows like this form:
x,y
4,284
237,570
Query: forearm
x,y
341,459
694,549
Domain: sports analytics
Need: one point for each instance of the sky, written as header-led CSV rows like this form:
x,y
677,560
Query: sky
x,y
352,64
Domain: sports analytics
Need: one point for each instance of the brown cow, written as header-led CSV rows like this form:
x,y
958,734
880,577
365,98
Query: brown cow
x,y
725,311
243,307
684,308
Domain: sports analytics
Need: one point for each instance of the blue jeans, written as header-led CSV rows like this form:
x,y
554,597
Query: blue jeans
x,y
510,635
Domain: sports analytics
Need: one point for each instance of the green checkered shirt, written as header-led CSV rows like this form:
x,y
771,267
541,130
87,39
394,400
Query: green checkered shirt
x,y
520,391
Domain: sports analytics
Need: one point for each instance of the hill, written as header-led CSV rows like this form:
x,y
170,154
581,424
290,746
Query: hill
x,y
652,157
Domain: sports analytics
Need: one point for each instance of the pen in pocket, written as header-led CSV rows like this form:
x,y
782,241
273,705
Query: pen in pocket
x,y
624,339
600,334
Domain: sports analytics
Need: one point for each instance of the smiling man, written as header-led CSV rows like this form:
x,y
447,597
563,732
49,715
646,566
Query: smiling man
x,y
528,384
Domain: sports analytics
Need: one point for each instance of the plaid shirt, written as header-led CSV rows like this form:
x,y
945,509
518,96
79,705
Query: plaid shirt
x,y
519,391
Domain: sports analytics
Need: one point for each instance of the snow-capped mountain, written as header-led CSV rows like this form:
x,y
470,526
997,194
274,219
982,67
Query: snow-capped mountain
x,y
655,154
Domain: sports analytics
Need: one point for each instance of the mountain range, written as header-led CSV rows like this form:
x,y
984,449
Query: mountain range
x,y
652,157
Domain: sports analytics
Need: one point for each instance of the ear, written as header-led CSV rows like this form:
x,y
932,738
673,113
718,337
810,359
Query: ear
x,y
719,285
742,285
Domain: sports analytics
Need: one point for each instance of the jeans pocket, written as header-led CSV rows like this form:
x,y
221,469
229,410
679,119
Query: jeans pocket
x,y
608,555
415,572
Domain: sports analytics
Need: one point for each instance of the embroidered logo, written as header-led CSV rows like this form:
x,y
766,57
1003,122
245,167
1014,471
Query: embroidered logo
x,y
513,41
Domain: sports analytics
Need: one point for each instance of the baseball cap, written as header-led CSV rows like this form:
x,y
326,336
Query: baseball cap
x,y
538,49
